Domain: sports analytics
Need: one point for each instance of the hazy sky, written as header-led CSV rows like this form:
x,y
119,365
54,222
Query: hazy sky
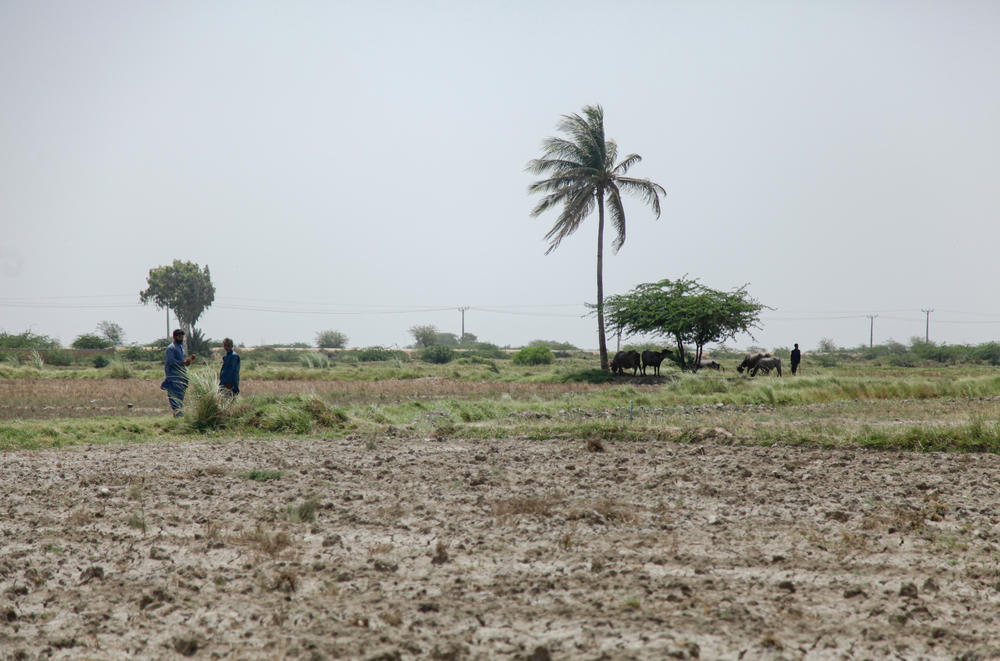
x,y
360,166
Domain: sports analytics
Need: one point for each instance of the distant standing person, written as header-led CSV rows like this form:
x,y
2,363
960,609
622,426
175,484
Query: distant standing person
x,y
175,368
229,376
796,359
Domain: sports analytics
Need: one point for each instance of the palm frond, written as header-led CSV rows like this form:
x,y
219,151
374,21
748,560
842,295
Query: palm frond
x,y
560,193
648,190
616,211
578,206
626,163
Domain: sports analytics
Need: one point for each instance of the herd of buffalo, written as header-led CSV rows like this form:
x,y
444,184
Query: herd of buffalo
x,y
638,362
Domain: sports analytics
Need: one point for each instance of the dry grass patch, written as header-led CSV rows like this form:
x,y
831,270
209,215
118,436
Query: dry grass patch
x,y
541,506
258,539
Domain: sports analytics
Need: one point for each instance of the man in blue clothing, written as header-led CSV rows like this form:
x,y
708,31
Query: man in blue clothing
x,y
175,368
229,377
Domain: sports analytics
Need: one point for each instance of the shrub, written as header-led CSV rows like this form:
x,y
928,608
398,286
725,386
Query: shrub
x,y
437,353
62,357
100,361
91,341
27,340
533,355
331,339
560,346
989,352
378,354
486,350
142,354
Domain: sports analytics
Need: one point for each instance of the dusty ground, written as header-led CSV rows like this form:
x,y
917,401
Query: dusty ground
x,y
507,549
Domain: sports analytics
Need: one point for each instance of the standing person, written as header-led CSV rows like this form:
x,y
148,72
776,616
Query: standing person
x,y
175,368
796,359
229,376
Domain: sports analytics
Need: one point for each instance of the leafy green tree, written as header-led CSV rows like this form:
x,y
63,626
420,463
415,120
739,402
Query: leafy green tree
x,y
182,287
111,332
686,311
449,339
331,339
584,173
424,336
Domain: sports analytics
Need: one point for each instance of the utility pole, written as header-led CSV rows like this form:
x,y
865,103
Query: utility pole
x,y
927,328
462,310
871,331
168,323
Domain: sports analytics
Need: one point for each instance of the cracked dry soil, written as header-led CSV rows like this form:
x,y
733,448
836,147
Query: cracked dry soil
x,y
412,548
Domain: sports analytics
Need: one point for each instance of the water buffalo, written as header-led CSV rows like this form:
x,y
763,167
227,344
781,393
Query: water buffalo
x,y
710,364
624,360
767,364
653,358
751,360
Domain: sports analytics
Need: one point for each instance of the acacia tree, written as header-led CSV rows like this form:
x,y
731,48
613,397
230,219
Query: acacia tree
x,y
585,172
686,311
424,336
112,332
182,287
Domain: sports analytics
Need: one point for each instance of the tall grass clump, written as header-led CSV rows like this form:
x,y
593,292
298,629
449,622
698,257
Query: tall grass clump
x,y
120,369
975,436
204,407
314,360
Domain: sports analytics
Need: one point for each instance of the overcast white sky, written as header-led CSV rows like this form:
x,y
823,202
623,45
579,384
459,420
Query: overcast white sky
x,y
360,166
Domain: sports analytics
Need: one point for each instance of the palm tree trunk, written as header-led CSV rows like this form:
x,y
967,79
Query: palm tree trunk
x,y
601,341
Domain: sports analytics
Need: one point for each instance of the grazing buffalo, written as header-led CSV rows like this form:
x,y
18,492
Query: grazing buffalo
x,y
710,364
767,364
624,360
751,360
653,358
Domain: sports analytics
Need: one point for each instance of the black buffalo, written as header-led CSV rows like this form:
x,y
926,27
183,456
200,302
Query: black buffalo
x,y
624,360
653,358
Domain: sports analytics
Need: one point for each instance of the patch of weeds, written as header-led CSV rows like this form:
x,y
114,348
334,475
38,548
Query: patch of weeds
x,y
261,475
631,604
304,511
286,581
526,505
261,540
137,520
443,431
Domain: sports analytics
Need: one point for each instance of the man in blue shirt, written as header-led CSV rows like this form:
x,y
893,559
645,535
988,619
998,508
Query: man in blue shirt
x,y
175,368
229,377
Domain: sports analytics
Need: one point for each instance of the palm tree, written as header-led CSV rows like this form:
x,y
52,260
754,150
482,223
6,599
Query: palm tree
x,y
584,174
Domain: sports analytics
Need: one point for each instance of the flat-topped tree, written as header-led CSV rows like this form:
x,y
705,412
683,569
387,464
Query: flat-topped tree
x,y
686,311
584,173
